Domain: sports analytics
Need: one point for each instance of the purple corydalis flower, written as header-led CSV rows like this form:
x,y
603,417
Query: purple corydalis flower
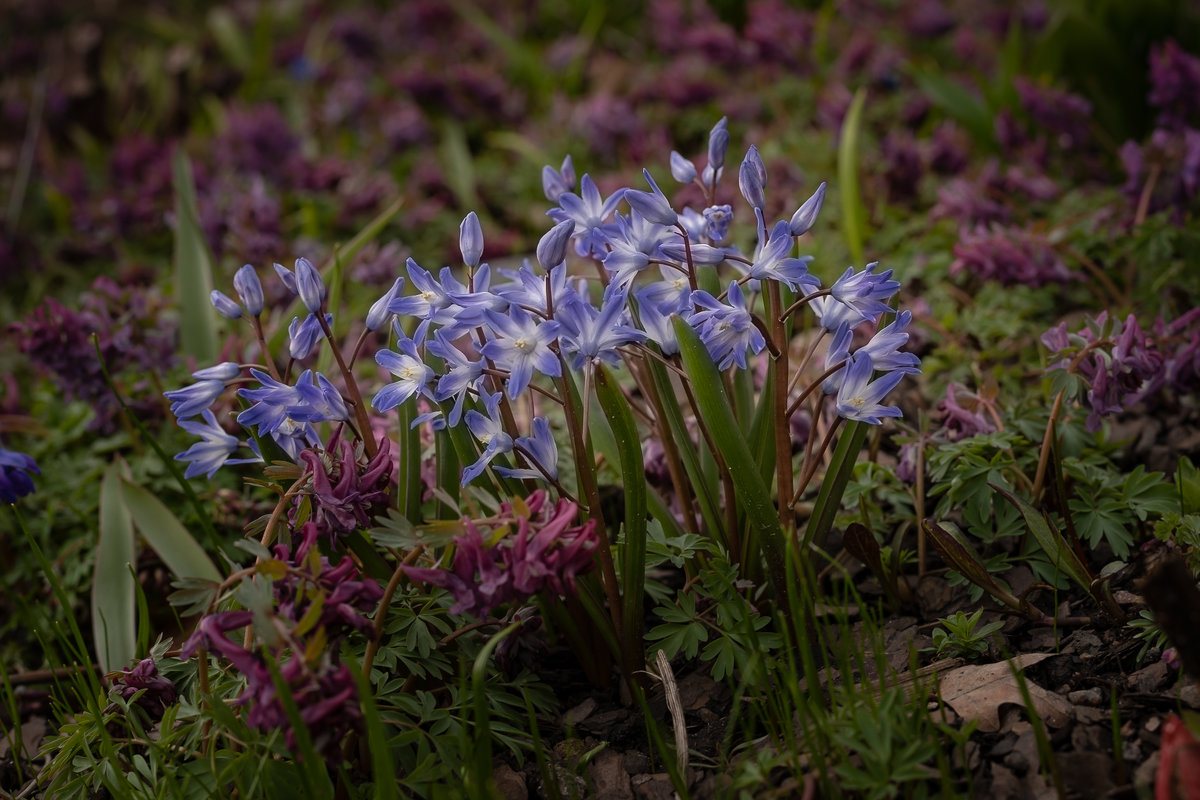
x,y
860,398
157,691
544,552
1009,256
346,494
15,482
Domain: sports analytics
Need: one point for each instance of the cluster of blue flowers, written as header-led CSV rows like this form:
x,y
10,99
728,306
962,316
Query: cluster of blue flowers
x,y
477,347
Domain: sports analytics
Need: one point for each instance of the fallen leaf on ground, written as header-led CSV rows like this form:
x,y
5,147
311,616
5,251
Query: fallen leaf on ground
x,y
977,692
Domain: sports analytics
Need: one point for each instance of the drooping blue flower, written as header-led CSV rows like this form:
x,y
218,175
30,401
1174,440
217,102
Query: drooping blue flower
x,y
884,347
470,240
752,178
860,398
865,291
412,375
309,285
716,222
249,289
522,345
838,352
319,400
378,314
773,263
15,482
303,337
682,169
652,205
286,275
541,449
210,382
432,303
462,374
557,182
591,213
527,289
488,430
225,305
727,329
213,450
590,335
806,215
634,241
832,314
552,247
271,403
655,313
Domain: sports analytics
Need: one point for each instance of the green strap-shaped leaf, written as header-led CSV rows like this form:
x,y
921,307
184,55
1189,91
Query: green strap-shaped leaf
x,y
754,498
959,555
841,467
164,533
193,269
633,480
1049,539
113,602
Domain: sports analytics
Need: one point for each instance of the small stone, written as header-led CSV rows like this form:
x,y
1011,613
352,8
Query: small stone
x,y
1148,679
1153,724
1086,697
579,713
510,784
609,776
1189,695
653,787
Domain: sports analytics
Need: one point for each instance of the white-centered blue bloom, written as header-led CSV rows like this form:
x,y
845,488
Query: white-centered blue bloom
x,y
591,213
213,450
540,448
191,400
772,261
522,345
488,430
462,374
589,335
411,373
860,398
727,329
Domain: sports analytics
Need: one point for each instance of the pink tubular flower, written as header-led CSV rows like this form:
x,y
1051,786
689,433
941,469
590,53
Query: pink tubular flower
x,y
537,548
345,493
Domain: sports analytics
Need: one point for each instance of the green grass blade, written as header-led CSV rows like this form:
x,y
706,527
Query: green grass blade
x,y
633,479
754,498
113,603
166,535
854,221
829,499
193,269
383,767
